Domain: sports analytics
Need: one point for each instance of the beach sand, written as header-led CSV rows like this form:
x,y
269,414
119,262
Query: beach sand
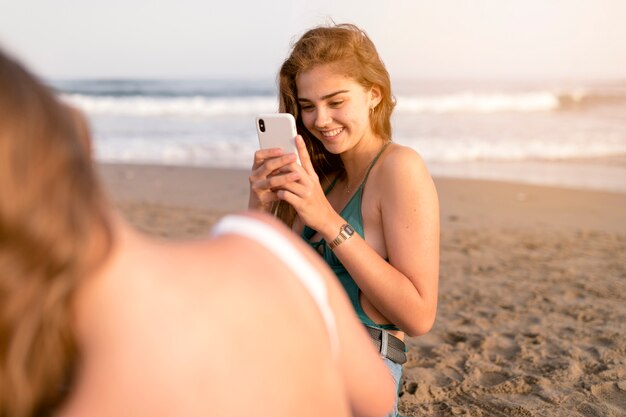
x,y
532,305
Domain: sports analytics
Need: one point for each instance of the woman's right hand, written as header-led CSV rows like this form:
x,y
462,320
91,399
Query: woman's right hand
x,y
270,171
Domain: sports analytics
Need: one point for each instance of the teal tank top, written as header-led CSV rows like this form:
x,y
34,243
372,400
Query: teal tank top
x,y
352,214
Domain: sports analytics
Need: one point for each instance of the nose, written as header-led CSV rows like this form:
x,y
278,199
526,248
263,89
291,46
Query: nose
x,y
322,117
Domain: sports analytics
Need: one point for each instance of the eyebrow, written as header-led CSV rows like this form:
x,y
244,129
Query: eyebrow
x,y
327,96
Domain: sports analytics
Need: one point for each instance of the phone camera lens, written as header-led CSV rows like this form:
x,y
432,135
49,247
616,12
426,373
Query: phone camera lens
x,y
261,125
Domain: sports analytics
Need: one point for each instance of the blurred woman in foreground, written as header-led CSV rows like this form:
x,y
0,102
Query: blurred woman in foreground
x,y
98,319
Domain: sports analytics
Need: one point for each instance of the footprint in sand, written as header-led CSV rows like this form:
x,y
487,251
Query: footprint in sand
x,y
611,394
503,346
491,379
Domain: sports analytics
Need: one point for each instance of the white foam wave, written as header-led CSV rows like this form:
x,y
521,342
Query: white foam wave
x,y
237,152
223,152
200,106
540,101
196,106
478,149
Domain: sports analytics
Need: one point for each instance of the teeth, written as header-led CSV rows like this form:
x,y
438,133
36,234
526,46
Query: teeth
x,y
330,133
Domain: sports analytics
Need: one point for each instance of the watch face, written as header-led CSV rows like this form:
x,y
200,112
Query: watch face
x,y
348,229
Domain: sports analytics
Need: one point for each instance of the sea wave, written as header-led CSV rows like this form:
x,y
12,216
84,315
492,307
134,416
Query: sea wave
x,y
478,149
195,106
461,102
469,102
583,99
237,151
163,88
532,101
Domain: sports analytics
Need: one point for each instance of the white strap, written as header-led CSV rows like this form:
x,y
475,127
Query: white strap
x,y
290,256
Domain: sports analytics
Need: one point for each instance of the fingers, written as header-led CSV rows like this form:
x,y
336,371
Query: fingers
x,y
262,154
306,183
296,194
268,185
300,190
264,168
271,170
280,181
305,159
289,197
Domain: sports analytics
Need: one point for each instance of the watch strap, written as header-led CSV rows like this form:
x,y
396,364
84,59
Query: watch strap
x,y
345,232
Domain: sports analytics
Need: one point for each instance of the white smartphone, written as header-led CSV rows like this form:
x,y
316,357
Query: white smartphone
x,y
277,130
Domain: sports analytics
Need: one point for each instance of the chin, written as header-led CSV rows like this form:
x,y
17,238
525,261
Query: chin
x,y
333,148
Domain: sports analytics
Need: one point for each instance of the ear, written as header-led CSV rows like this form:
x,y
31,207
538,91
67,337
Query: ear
x,y
375,96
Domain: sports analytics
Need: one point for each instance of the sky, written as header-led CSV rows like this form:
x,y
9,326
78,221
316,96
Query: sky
x,y
440,39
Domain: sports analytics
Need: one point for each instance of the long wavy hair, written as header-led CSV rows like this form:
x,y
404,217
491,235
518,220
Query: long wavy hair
x,y
352,53
51,206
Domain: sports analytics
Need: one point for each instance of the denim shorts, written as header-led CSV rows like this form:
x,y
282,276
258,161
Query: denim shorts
x,y
396,373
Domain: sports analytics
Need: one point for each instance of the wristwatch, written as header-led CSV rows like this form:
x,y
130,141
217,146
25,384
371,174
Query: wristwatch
x,y
345,232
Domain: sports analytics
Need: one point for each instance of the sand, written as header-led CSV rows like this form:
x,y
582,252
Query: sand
x,y
532,306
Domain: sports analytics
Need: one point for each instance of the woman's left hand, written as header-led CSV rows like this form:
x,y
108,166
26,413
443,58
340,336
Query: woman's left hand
x,y
307,196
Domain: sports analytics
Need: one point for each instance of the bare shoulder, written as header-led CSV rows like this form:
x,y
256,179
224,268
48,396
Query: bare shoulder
x,y
400,163
191,303
250,255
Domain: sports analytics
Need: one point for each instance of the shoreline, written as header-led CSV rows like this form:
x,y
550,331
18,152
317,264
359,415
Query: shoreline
x,y
592,173
464,202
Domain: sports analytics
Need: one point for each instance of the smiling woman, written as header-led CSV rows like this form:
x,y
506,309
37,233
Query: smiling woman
x,y
335,109
367,205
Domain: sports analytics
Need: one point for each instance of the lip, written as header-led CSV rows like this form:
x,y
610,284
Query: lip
x,y
331,133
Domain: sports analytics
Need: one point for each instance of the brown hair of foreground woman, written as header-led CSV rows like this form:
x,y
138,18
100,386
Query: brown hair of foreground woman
x,y
50,206
97,319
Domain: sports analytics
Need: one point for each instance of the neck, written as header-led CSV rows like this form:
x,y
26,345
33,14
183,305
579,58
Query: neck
x,y
357,161
105,245
110,255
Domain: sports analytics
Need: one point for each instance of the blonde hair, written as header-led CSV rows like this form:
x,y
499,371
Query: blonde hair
x,y
51,206
351,52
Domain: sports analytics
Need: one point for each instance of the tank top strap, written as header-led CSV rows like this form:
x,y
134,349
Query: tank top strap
x,y
332,185
288,254
367,174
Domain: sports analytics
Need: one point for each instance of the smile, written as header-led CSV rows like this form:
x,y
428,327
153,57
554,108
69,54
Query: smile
x,y
331,133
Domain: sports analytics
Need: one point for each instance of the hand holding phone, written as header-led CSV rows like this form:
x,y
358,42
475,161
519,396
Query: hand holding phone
x,y
277,130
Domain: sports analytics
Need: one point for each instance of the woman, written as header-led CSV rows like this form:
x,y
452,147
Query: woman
x,y
99,320
354,178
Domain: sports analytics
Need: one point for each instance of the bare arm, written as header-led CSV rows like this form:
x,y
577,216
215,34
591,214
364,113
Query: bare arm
x,y
409,209
404,290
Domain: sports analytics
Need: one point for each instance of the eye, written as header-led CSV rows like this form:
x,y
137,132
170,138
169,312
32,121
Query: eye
x,y
336,103
307,108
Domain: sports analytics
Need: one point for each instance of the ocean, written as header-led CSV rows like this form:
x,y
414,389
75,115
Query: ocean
x,y
562,133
